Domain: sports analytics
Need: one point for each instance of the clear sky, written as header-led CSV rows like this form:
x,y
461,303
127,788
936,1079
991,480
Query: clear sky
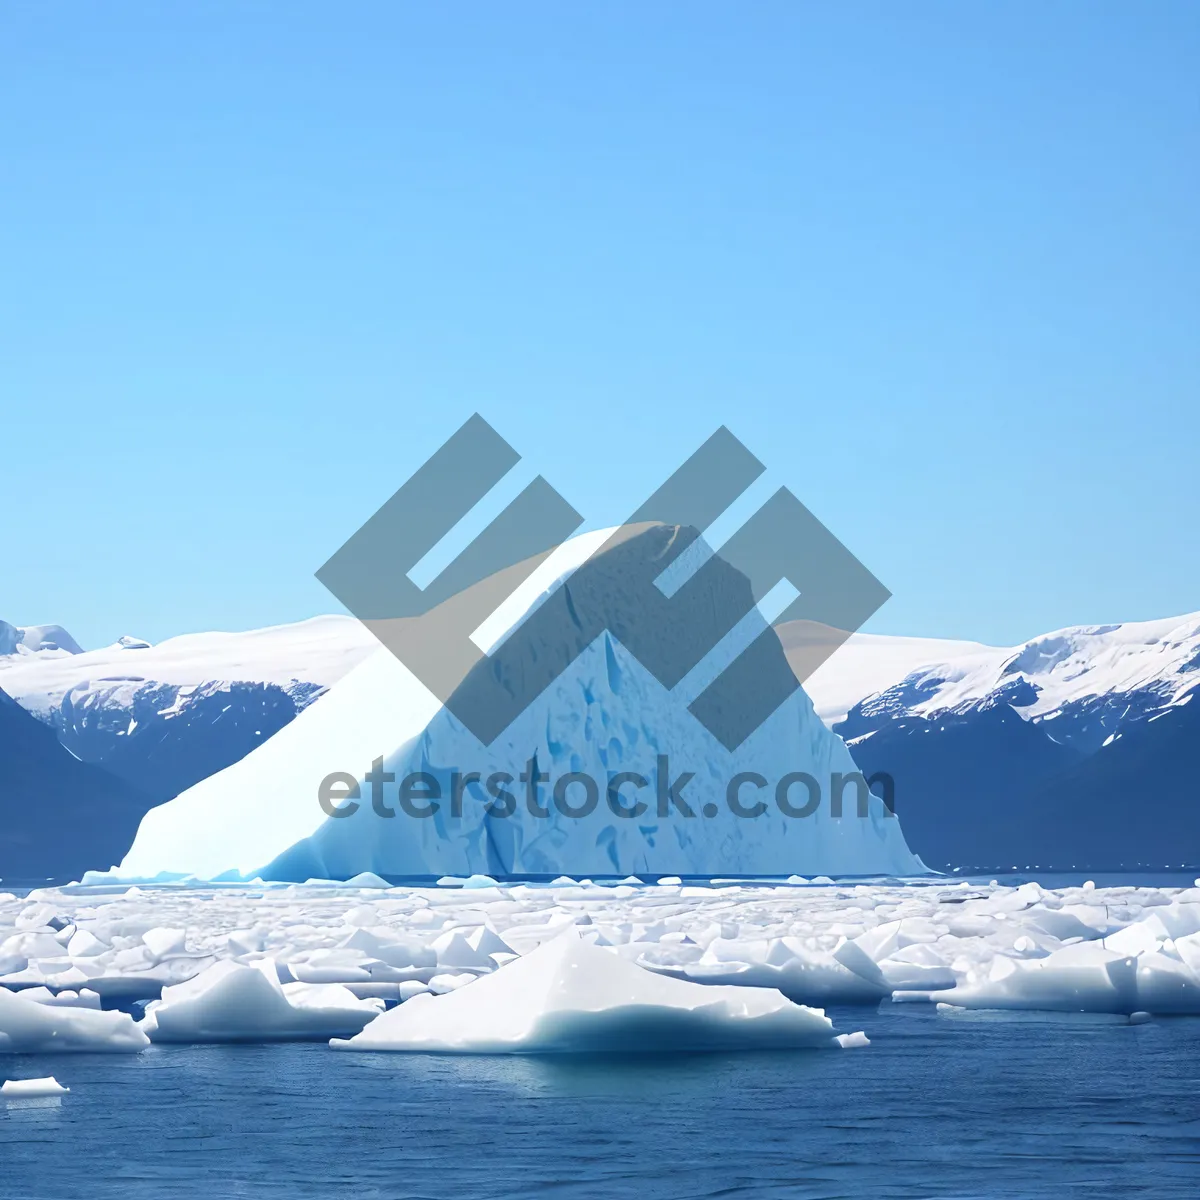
x,y
938,264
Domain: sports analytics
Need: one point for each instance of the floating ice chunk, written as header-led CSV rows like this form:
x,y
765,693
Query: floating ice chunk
x,y
917,968
27,1027
670,881
450,981
163,943
27,1088
401,953
1064,922
1138,938
1166,985
85,944
455,950
367,879
849,1040
36,917
1178,919
1085,977
471,881
480,881
567,996
802,974
330,966
245,941
236,1002
487,941
1187,950
1140,1018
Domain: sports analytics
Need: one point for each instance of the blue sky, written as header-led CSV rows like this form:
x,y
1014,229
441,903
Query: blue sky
x,y
937,264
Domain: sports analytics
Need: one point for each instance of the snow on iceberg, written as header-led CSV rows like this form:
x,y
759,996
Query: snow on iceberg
x,y
27,1027
236,1002
604,716
571,997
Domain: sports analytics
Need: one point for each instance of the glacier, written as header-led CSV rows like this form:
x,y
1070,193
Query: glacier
x,y
606,715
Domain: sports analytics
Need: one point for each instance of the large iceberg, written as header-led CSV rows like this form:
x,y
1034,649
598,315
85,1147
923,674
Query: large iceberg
x,y
571,997
607,772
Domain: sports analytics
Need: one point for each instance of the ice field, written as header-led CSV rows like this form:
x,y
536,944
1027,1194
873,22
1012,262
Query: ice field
x,y
481,967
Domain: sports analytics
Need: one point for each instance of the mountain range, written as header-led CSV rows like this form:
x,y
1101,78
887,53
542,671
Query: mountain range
x,y
1073,750
1069,751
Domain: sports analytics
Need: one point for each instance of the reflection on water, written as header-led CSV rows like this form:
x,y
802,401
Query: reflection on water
x,y
24,1103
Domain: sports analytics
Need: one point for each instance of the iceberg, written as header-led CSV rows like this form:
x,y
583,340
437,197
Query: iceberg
x,y
606,773
571,997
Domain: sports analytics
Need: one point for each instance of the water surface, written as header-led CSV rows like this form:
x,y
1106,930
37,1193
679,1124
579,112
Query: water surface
x,y
1007,1106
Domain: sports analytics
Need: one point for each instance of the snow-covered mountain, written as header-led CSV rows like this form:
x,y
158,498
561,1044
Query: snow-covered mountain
x,y
44,640
604,715
1093,681
163,717
1073,749
58,816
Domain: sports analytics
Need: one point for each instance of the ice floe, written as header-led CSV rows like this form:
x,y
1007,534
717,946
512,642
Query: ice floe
x,y
28,1027
267,962
25,1089
570,996
233,1002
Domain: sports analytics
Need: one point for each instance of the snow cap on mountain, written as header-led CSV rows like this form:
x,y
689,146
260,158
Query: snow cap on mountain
x,y
36,639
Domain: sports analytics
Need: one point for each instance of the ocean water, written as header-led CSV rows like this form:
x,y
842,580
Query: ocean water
x,y
1023,1105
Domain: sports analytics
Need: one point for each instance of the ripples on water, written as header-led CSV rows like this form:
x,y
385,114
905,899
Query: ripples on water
x,y
1019,1106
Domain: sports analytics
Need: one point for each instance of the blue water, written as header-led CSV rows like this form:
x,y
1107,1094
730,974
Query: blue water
x,y
1024,1106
